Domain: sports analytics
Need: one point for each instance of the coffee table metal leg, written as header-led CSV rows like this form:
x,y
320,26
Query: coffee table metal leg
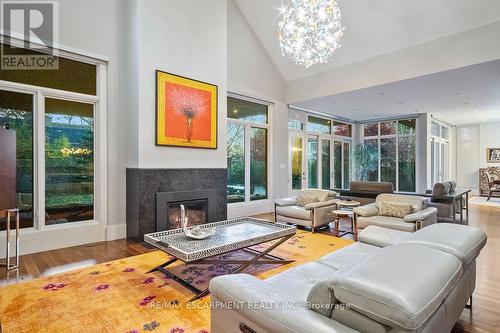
x,y
243,264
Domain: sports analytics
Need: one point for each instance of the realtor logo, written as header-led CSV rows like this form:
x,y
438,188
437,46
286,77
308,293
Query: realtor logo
x,y
35,23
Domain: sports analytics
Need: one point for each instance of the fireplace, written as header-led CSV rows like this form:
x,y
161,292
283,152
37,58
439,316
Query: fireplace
x,y
199,205
149,191
196,213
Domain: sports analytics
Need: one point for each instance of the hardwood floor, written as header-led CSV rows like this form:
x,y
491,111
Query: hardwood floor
x,y
484,317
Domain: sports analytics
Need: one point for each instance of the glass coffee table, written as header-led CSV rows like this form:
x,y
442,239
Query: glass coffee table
x,y
230,235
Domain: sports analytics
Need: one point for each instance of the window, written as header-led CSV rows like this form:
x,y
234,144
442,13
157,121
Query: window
x,y
325,164
69,161
235,163
392,149
246,111
247,151
318,125
72,75
52,115
297,162
295,124
312,162
337,160
440,153
258,163
370,129
341,129
372,167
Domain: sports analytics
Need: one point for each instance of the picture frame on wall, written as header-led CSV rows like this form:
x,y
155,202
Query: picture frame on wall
x,y
493,155
186,112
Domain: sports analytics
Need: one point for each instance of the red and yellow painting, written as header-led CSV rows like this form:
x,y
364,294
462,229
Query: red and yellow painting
x,y
186,112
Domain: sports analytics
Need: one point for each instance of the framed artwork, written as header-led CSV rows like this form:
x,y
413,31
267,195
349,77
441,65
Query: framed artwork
x,y
493,155
186,112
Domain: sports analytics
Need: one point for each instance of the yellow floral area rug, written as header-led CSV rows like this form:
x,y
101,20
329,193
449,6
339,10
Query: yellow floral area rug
x,y
119,296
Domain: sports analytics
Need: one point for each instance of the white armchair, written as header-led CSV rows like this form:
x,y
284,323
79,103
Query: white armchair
x,y
419,217
310,208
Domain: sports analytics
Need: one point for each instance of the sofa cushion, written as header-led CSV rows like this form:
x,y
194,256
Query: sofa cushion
x,y
464,242
417,202
298,281
297,212
385,222
400,286
322,195
395,209
303,200
381,237
348,255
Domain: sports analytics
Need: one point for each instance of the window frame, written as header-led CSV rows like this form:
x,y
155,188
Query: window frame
x,y
247,125
99,101
396,136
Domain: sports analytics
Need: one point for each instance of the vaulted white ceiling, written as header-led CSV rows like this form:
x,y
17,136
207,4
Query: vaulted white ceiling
x,y
374,28
466,95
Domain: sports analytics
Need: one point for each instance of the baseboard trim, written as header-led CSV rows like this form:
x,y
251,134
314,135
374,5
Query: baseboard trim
x,y
54,238
116,231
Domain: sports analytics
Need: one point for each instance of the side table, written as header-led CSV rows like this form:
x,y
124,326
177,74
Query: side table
x,y
344,209
337,215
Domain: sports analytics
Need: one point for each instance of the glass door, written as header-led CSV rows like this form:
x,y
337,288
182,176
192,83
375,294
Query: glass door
x,y
297,162
440,161
346,167
312,161
326,174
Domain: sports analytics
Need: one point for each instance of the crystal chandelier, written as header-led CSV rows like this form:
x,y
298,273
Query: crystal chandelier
x,y
310,30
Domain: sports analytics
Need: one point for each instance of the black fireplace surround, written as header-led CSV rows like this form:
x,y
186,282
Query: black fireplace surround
x,y
150,190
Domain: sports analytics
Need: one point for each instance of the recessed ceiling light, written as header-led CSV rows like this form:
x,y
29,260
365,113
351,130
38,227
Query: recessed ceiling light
x,y
381,94
466,103
457,93
400,103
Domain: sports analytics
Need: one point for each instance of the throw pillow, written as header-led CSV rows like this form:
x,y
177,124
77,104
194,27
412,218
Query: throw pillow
x,y
303,200
395,209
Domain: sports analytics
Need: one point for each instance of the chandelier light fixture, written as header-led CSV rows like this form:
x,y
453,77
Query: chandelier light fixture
x,y
310,30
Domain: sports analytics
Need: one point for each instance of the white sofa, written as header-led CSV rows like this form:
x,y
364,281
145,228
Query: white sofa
x,y
421,215
312,215
388,282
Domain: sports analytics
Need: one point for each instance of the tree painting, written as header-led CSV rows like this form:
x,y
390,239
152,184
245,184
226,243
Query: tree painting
x,y
186,112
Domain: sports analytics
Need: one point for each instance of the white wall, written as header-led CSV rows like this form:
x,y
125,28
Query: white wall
x,y
489,137
252,73
472,142
468,157
187,38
